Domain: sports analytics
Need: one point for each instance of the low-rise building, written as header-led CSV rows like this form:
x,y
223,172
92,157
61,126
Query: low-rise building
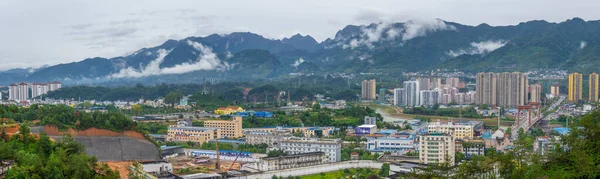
x,y
392,143
459,131
305,131
292,161
229,128
270,138
365,129
229,110
473,147
297,145
192,134
543,144
370,120
436,148
153,170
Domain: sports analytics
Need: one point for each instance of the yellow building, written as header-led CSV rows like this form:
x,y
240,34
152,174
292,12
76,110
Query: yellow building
x,y
436,148
368,90
229,128
575,86
593,92
193,134
456,130
229,110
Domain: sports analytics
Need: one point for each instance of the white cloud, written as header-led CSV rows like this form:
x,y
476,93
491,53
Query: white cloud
x,y
298,62
207,60
478,48
386,31
421,28
582,44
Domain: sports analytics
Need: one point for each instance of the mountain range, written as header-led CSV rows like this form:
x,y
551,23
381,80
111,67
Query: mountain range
x,y
378,47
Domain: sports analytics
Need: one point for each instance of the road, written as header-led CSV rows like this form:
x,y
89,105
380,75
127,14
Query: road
x,y
544,121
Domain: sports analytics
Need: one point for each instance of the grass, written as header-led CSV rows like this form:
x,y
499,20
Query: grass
x,y
340,174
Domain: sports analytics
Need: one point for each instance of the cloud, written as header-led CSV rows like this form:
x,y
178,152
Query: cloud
x,y
582,44
207,60
421,28
298,62
386,31
478,48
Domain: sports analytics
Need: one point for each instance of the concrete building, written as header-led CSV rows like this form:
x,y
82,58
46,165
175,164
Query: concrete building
x,y
447,95
452,82
194,134
502,89
424,83
270,138
458,131
575,87
368,89
306,131
53,86
295,145
153,170
435,82
535,93
399,95
593,87
472,147
229,128
13,92
555,90
394,143
365,129
436,148
292,161
429,97
543,144
38,89
23,93
411,91
370,120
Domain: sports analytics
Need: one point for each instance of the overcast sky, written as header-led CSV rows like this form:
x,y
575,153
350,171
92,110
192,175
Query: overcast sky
x,y
35,33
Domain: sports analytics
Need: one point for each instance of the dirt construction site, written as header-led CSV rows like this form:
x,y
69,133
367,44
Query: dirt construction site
x,y
201,164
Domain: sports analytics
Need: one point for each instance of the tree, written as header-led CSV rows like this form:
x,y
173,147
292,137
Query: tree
x,y
172,98
316,107
136,109
385,170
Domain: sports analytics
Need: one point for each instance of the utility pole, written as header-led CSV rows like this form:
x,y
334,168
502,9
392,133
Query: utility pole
x,y
217,167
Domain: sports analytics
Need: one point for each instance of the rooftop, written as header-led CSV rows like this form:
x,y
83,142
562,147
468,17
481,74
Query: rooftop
x,y
293,156
194,128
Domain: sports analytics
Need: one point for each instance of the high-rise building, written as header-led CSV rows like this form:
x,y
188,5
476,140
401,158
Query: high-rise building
x,y
447,95
486,88
423,83
368,90
23,93
38,89
399,95
13,92
54,86
382,94
555,90
502,89
452,82
229,128
411,91
470,97
435,82
575,87
429,97
535,93
436,148
593,85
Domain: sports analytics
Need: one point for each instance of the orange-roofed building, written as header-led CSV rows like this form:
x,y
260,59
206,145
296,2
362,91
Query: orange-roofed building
x,y
229,110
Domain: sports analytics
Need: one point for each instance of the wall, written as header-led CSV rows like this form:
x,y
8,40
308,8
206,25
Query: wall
x,y
320,168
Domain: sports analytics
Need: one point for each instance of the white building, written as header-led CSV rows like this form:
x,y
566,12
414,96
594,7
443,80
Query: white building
x,y
38,89
13,92
411,90
429,97
396,144
436,148
370,120
296,145
54,85
291,161
399,95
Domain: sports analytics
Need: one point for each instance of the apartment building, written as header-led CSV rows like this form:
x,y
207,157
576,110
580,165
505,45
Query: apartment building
x,y
486,88
305,131
424,83
192,134
270,138
471,147
411,93
370,120
458,131
502,89
535,93
368,89
436,148
555,90
575,87
297,145
229,128
292,161
452,82
399,95
429,97
593,87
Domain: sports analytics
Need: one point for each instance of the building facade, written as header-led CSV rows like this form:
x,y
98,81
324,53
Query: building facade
x,y
535,93
411,93
296,145
370,120
269,138
292,161
424,83
458,131
452,82
429,97
399,95
229,128
229,110
368,89
486,88
193,134
394,144
593,87
555,90
436,148
575,87
502,89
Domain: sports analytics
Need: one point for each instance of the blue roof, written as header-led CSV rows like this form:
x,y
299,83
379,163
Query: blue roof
x,y
487,135
562,130
228,141
221,151
386,131
164,147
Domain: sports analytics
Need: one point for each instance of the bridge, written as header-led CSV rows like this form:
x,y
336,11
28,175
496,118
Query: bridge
x,y
531,115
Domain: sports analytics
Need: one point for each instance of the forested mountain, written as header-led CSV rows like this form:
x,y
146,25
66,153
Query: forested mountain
x,y
377,47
